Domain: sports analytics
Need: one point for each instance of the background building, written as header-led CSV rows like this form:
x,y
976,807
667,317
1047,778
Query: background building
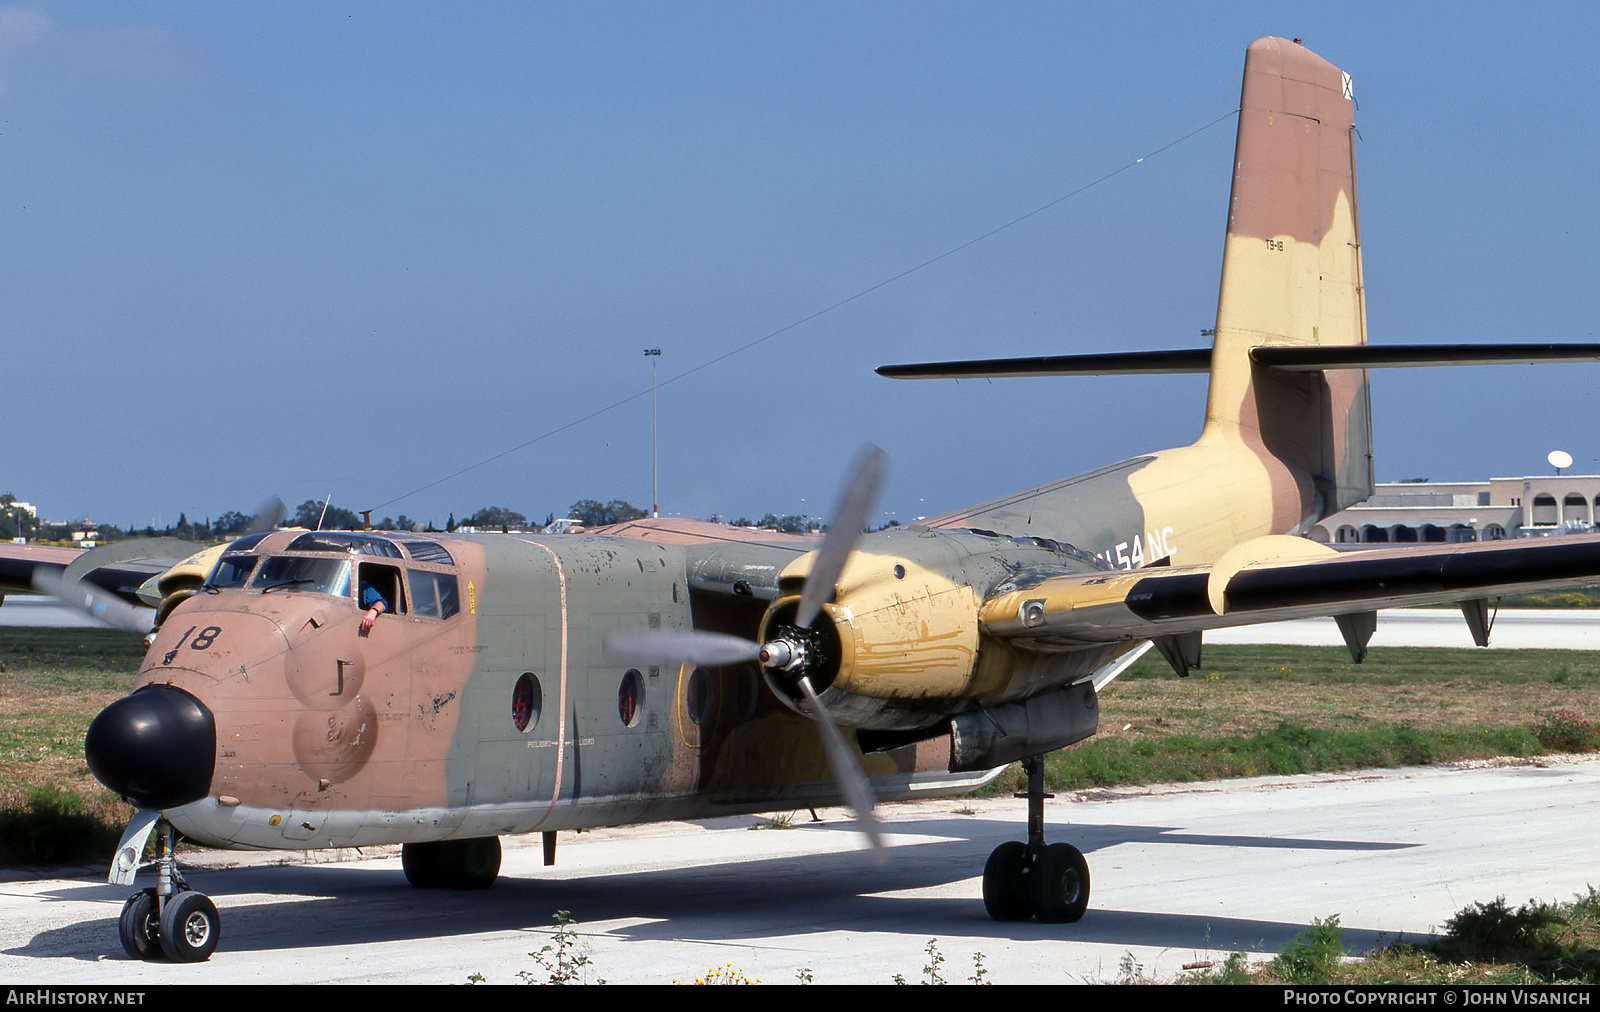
x,y
1423,510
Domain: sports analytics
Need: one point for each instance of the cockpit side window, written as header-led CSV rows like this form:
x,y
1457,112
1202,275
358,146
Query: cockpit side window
x,y
429,551
380,583
433,595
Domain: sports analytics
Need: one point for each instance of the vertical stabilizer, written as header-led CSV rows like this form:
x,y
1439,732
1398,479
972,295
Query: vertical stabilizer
x,y
1291,275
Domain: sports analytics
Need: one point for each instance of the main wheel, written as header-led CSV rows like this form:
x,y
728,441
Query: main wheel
x,y
190,927
140,925
422,864
470,864
1059,884
1005,884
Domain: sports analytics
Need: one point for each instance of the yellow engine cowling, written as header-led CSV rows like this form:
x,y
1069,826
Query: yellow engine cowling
x,y
901,646
900,630
180,582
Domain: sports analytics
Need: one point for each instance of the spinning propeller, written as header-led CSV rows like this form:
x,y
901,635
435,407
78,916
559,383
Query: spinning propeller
x,y
95,602
790,654
73,588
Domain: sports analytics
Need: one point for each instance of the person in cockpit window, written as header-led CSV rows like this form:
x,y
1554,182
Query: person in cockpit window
x,y
373,604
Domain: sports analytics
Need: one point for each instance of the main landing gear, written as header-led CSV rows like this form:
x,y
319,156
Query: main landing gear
x,y
1033,879
169,918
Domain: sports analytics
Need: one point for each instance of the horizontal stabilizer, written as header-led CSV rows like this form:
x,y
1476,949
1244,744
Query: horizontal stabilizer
x,y
1121,363
1285,358
1314,358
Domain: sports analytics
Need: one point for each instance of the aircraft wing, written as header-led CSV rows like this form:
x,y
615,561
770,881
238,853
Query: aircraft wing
x,y
1275,578
120,568
19,563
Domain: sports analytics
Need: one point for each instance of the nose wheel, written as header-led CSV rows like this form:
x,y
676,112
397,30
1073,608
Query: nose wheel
x,y
1049,882
168,918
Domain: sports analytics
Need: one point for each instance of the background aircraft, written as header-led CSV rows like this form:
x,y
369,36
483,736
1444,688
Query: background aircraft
x,y
516,684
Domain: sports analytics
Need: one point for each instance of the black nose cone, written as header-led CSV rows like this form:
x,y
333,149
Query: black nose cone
x,y
157,747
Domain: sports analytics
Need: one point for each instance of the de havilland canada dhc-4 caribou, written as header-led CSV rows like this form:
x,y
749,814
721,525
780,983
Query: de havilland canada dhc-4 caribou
x,y
672,669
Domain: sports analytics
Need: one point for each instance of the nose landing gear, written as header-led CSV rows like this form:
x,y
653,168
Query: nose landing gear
x,y
1049,882
169,918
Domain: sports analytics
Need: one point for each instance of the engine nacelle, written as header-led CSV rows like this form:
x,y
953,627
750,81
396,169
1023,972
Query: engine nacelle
x,y
180,582
901,641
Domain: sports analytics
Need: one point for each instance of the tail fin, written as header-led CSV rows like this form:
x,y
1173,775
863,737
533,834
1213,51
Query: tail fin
x,y
1291,276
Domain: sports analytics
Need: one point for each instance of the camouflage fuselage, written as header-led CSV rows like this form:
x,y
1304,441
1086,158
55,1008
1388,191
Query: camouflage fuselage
x,y
425,728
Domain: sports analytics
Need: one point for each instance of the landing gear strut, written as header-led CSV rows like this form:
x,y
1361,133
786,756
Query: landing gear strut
x,y
169,918
1046,881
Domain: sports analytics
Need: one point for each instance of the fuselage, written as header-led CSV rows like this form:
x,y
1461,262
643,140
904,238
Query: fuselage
x,y
482,702
479,703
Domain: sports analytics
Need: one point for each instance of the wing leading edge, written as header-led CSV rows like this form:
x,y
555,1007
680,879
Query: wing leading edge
x,y
1274,579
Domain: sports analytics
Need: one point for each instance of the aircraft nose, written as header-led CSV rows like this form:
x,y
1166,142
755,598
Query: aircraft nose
x,y
156,747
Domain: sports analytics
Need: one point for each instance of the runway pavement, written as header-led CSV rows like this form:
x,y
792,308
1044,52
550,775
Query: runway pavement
x,y
1513,629
1179,874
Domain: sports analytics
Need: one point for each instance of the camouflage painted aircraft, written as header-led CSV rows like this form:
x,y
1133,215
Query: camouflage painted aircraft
x,y
310,689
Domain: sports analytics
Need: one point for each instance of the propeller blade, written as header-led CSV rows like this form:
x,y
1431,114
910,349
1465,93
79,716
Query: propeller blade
x,y
844,527
98,604
268,517
668,646
852,780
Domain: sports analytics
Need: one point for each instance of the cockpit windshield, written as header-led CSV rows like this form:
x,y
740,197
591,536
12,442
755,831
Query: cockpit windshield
x,y
320,576
232,571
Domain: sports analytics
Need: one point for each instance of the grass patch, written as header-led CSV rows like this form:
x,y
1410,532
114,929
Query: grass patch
x,y
1288,748
1486,943
1580,597
56,825
52,683
1256,710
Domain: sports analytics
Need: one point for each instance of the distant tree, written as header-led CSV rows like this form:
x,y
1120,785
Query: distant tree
x,y
10,517
232,524
449,526
589,512
337,518
789,524
595,514
495,516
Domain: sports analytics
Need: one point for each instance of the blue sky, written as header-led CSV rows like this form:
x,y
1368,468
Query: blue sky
x,y
351,249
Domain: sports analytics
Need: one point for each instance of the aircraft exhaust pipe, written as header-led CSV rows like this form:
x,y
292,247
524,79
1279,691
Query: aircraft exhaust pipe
x,y
984,739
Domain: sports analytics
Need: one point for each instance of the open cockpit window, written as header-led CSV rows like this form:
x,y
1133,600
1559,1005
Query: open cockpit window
x,y
380,583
